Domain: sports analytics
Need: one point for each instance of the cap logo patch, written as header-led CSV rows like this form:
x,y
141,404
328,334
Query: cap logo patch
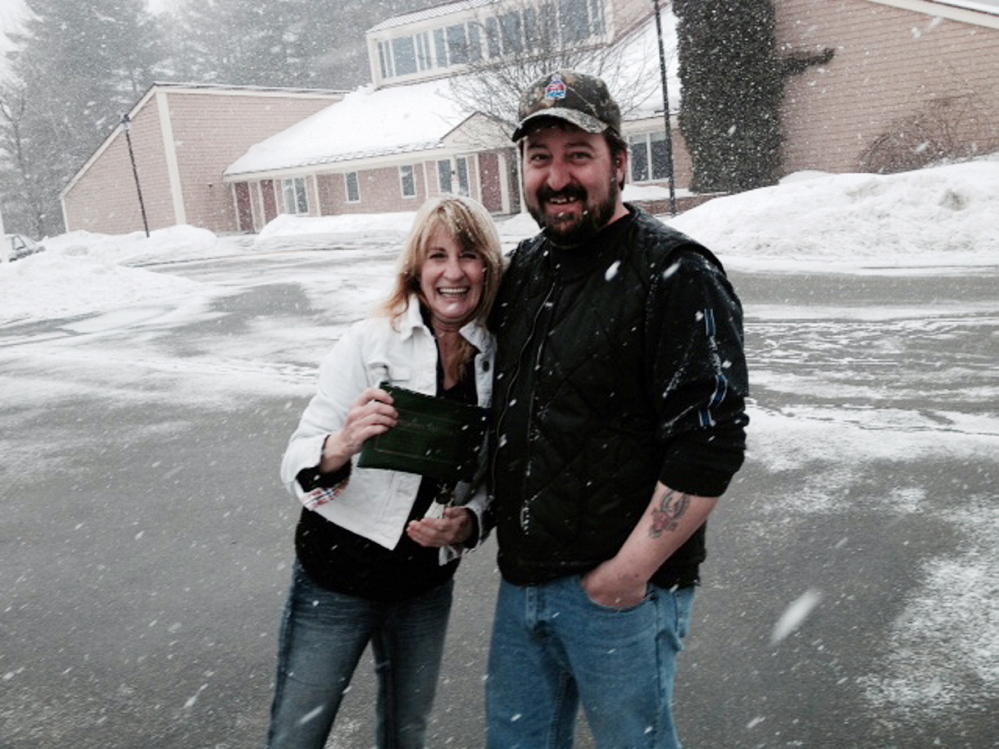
x,y
555,89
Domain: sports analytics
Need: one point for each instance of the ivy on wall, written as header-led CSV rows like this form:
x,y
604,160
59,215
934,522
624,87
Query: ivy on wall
x,y
734,80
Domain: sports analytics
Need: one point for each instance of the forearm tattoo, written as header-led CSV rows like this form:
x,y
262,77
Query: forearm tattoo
x,y
666,517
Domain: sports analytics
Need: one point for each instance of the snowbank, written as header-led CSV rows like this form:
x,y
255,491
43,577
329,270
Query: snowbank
x,y
942,216
918,221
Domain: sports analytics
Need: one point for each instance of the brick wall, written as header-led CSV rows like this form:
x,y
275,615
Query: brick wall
x,y
625,14
381,192
210,134
890,65
211,129
106,199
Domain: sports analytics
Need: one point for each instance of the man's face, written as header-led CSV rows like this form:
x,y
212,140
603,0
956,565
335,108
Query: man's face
x,y
571,182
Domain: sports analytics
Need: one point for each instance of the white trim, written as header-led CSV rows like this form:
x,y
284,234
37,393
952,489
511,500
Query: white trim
x,y
357,163
973,17
170,153
475,186
314,178
235,202
503,166
257,205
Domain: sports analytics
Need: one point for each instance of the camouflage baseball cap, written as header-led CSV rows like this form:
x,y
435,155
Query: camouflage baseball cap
x,y
580,99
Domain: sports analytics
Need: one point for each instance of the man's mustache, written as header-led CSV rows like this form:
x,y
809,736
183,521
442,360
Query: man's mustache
x,y
569,193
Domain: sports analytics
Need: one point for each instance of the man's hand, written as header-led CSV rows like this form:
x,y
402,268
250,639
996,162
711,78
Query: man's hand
x,y
669,520
606,587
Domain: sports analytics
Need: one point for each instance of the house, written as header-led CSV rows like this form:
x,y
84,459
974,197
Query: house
x,y
183,136
376,151
902,70
910,82
412,133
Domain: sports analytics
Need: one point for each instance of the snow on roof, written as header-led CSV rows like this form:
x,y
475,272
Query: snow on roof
x,y
364,124
427,13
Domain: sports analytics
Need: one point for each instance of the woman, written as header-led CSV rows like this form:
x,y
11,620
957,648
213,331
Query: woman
x,y
376,550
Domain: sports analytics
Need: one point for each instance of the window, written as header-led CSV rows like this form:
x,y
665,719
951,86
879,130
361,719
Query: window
x,y
407,180
512,31
649,157
493,37
383,59
639,158
423,57
461,164
531,35
352,187
404,55
580,19
296,199
457,45
448,170
474,43
660,155
440,48
444,175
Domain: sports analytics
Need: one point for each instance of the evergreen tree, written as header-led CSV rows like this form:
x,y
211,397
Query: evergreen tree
x,y
733,85
732,91
78,67
304,43
234,42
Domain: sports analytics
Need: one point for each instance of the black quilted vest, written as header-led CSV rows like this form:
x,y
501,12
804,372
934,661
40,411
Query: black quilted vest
x,y
588,402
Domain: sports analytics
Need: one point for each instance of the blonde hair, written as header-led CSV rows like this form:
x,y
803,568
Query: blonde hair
x,y
471,226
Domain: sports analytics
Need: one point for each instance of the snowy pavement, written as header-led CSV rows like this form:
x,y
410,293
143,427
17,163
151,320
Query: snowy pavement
x,y
147,388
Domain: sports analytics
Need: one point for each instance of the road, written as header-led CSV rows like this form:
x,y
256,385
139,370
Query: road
x,y
849,599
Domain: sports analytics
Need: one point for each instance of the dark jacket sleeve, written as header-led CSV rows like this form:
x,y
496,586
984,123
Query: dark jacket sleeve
x,y
699,375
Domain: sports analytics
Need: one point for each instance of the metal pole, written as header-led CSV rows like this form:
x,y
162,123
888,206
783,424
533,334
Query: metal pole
x,y
669,131
126,125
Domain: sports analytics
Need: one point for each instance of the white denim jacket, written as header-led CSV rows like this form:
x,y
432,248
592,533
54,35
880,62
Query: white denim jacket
x,y
376,503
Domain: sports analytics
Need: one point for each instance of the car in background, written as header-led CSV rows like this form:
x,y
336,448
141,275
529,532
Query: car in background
x,y
16,246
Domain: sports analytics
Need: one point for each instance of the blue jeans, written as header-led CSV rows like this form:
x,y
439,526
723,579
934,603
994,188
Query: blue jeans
x,y
323,635
553,648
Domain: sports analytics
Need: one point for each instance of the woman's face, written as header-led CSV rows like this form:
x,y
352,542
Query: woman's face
x,y
452,281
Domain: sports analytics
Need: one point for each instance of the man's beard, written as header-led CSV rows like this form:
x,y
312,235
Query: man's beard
x,y
574,231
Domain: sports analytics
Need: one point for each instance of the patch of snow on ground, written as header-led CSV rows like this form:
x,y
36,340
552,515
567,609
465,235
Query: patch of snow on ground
x,y
930,217
927,670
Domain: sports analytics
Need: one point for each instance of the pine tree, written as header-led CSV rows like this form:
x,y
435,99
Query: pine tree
x,y
78,67
234,42
305,43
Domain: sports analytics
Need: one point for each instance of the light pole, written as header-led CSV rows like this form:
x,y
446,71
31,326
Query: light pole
x,y
669,131
126,125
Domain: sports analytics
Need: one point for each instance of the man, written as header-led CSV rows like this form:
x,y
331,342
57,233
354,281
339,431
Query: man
x,y
618,422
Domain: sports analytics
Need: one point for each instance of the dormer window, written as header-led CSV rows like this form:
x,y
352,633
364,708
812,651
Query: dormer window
x,y
485,30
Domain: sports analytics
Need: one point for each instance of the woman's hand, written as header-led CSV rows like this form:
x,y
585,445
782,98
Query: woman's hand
x,y
370,415
453,529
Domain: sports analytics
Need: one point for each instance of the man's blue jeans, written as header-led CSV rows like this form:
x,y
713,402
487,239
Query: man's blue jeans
x,y
323,635
553,648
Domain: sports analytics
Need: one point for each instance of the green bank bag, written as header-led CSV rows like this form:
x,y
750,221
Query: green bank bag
x,y
435,437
